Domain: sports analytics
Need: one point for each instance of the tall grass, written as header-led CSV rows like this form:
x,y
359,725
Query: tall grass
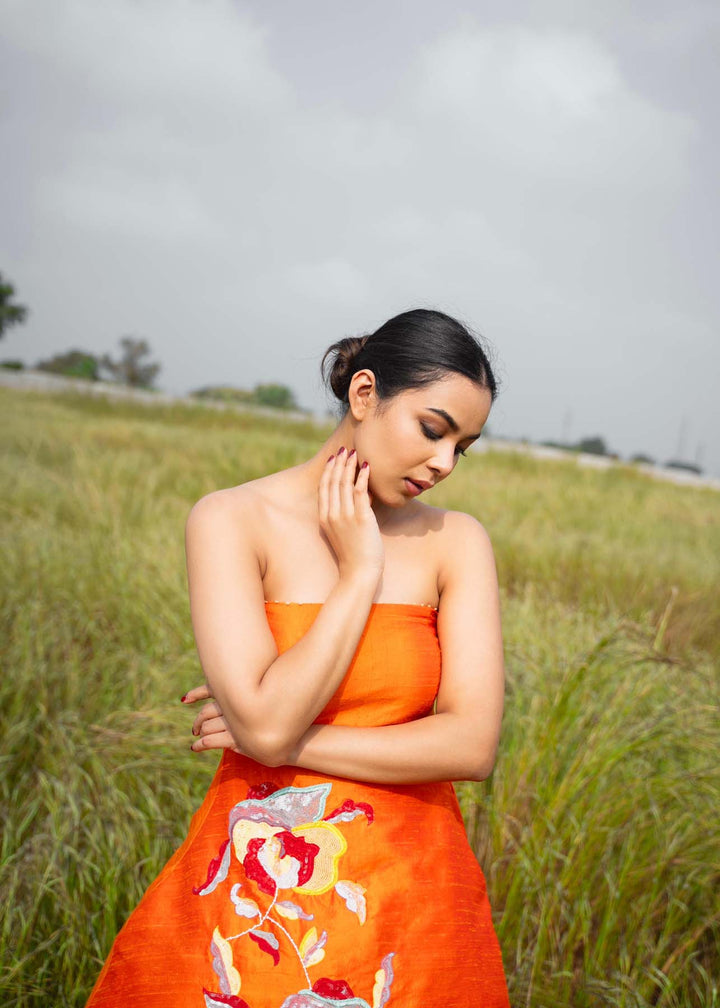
x,y
597,829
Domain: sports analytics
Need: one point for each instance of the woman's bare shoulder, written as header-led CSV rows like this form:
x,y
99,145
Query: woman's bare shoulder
x,y
245,498
459,541
242,511
452,526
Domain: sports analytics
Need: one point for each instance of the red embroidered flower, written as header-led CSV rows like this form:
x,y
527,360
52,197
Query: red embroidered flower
x,y
338,990
282,861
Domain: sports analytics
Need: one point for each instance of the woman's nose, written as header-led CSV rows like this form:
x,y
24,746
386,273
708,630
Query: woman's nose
x,y
443,461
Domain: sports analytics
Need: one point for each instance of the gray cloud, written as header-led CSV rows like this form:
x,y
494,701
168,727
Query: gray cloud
x,y
242,184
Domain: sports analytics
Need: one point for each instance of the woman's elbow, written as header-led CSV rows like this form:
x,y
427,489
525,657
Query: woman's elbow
x,y
268,748
481,763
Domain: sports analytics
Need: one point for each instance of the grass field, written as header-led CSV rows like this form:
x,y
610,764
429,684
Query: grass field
x,y
598,829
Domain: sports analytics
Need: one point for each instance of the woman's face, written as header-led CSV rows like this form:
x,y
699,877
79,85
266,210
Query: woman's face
x,y
417,439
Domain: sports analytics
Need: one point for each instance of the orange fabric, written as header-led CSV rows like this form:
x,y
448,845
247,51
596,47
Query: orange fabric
x,y
300,890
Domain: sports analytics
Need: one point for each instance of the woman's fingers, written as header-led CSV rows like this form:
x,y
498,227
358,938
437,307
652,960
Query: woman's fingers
x,y
217,740
346,516
213,722
346,485
198,693
208,712
324,490
363,498
334,498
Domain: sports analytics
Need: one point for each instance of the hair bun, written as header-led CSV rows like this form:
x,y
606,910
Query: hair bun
x,y
341,366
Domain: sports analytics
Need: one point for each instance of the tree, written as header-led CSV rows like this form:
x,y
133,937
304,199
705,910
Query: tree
x,y
74,363
130,370
223,393
592,446
10,314
278,396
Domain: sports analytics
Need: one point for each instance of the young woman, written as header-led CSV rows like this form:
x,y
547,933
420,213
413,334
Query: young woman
x,y
328,863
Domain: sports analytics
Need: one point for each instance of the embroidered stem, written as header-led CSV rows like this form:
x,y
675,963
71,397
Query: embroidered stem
x,y
271,920
258,923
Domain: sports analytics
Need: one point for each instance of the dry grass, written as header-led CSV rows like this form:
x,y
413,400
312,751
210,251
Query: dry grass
x,y
596,830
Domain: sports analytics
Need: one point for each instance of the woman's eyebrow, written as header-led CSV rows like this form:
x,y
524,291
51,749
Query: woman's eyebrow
x,y
451,423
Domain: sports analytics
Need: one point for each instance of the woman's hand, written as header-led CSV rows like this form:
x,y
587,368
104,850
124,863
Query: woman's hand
x,y
209,724
346,517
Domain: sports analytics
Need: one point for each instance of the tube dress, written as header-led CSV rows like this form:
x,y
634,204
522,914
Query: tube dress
x,y
301,890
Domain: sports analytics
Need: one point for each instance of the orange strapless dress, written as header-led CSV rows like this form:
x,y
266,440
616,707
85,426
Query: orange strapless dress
x,y
301,890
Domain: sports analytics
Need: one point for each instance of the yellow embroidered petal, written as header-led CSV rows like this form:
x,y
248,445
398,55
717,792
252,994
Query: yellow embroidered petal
x,y
223,952
244,831
291,911
325,869
312,948
379,987
317,956
308,941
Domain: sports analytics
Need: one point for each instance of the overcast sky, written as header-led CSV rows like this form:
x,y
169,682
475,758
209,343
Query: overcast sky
x,y
242,183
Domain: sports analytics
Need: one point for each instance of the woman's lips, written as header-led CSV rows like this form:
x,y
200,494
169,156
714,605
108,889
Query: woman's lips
x,y
413,488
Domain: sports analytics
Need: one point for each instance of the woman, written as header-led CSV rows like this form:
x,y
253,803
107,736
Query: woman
x,y
328,863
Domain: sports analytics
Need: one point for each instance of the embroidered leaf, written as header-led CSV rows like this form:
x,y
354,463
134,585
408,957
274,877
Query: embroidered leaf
x,y
309,999
354,896
339,990
223,1001
312,948
268,943
350,810
217,872
287,808
260,791
243,907
291,911
223,964
383,982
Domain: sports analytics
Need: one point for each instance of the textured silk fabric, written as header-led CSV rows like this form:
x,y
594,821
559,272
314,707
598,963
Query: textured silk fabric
x,y
303,890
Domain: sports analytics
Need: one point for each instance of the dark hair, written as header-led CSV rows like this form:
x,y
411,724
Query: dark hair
x,y
408,351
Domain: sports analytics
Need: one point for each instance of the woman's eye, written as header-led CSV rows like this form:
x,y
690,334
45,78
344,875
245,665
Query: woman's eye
x,y
434,436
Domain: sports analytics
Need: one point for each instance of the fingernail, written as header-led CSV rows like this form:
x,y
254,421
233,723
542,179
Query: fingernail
x,y
364,465
183,698
191,747
340,451
331,458
351,453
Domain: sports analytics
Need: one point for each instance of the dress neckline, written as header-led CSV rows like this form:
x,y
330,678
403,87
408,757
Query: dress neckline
x,y
387,605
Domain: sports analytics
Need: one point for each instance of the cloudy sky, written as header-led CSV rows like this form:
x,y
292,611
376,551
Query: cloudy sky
x,y
242,182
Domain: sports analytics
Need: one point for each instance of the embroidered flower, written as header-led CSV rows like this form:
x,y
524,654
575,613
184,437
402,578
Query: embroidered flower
x,y
284,841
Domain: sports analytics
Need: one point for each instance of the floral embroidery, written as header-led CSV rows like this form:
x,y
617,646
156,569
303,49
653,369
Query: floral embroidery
x,y
286,844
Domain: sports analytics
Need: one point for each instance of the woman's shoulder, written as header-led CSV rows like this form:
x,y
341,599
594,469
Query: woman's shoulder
x,y
451,526
457,540
245,507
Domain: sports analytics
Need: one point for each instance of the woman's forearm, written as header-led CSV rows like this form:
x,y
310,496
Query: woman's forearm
x,y
443,746
301,681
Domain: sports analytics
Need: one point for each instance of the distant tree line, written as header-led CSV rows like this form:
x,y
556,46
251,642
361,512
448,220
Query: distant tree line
x,y
271,394
596,446
131,369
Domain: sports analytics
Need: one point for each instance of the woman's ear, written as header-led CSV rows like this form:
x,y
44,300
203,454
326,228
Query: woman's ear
x,y
361,393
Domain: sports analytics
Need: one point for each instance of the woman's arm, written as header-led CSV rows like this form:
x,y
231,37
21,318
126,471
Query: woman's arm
x,y
269,700
459,742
